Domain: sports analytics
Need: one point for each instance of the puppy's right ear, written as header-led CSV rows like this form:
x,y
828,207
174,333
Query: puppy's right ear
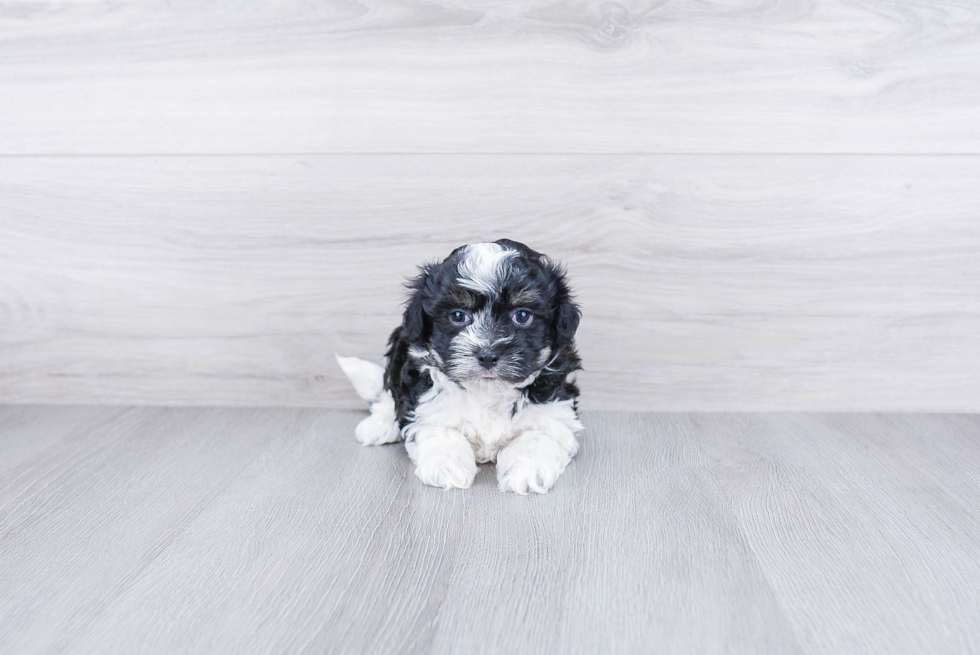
x,y
415,322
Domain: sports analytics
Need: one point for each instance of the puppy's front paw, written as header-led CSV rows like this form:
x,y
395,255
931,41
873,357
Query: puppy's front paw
x,y
447,471
533,462
524,476
377,429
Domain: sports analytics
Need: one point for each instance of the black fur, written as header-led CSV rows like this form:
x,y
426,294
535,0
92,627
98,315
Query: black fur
x,y
426,325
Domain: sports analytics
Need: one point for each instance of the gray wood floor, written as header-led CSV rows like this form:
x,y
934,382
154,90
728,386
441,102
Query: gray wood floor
x,y
269,530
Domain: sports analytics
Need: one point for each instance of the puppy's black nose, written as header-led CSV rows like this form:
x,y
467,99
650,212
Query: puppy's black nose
x,y
487,358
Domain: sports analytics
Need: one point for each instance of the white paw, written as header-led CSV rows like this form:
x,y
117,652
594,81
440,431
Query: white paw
x,y
447,471
377,429
531,463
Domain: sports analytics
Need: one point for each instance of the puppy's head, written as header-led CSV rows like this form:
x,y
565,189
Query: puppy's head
x,y
491,315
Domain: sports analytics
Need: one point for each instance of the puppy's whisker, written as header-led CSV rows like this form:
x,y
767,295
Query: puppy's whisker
x,y
547,367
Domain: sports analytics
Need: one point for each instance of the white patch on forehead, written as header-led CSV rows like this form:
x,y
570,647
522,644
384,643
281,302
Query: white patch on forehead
x,y
484,266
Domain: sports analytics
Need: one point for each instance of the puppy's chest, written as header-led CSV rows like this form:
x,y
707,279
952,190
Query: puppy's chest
x,y
488,420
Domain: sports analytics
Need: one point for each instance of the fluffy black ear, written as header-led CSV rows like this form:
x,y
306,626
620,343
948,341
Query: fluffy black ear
x,y
566,314
415,322
567,318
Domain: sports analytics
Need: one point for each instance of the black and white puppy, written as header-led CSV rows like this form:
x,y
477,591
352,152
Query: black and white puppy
x,y
478,371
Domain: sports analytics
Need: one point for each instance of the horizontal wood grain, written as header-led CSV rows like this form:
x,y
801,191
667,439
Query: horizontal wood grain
x,y
837,507
535,76
707,282
165,530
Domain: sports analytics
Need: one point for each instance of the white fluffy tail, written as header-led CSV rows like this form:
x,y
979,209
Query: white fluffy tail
x,y
367,377
368,380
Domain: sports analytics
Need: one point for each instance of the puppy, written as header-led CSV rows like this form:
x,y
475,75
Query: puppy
x,y
478,371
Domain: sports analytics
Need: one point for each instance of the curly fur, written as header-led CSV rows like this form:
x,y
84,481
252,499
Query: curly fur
x,y
492,388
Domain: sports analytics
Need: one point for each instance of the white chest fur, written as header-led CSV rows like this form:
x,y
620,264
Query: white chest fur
x,y
489,418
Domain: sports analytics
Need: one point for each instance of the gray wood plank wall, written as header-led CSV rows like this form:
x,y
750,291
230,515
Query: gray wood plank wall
x,y
762,207
180,76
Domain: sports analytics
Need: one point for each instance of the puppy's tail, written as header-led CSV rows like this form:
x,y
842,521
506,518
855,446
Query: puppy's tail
x,y
367,377
368,380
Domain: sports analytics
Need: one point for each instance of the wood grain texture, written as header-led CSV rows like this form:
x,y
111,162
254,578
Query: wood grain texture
x,y
271,531
708,282
639,553
82,518
644,76
800,483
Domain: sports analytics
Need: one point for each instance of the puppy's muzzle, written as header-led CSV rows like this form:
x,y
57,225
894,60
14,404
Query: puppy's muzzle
x,y
488,357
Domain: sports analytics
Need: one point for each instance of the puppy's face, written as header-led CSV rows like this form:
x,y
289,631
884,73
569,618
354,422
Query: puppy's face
x,y
492,315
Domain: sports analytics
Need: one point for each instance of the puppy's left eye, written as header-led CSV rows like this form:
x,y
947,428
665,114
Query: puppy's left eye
x,y
522,317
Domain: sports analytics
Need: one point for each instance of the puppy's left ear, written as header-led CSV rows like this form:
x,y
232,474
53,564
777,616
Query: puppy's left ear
x,y
567,319
566,314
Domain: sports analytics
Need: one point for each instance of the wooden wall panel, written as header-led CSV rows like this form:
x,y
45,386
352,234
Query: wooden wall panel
x,y
637,76
708,282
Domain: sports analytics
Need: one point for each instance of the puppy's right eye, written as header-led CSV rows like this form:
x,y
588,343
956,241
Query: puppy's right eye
x,y
460,317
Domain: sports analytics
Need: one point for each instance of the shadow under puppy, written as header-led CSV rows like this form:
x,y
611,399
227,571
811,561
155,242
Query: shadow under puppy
x,y
478,371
